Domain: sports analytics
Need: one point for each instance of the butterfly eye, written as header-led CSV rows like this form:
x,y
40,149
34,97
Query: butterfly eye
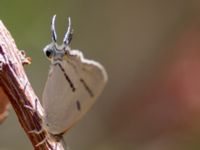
x,y
48,53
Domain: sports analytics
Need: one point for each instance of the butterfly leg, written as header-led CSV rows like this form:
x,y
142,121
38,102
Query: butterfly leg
x,y
34,110
45,140
36,131
42,142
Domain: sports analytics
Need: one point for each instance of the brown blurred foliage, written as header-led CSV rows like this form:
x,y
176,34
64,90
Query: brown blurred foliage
x,y
164,112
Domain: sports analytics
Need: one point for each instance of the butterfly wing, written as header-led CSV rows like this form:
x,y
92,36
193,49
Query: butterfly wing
x,y
71,88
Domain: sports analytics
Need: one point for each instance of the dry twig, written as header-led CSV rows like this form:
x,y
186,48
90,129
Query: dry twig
x,y
15,84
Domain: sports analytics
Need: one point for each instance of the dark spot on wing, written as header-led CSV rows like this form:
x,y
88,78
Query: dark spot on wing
x,y
87,88
66,76
78,105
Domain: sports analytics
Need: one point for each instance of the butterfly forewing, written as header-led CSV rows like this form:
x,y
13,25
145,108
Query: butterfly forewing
x,y
72,87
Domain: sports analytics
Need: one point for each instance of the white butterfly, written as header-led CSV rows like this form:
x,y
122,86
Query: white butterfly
x,y
72,87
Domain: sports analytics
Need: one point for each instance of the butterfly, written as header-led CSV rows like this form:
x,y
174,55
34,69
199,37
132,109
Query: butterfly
x,y
72,86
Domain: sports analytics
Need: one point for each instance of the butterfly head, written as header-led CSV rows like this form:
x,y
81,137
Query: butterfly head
x,y
53,51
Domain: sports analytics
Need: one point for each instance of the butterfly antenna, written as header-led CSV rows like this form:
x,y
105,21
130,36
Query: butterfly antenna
x,y
53,31
68,35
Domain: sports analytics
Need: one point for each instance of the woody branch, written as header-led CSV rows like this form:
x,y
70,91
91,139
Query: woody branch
x,y
16,86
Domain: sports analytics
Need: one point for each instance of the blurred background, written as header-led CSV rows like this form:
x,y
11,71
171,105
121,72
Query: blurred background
x,y
151,51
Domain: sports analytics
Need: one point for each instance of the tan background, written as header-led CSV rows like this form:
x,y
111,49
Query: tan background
x,y
151,51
